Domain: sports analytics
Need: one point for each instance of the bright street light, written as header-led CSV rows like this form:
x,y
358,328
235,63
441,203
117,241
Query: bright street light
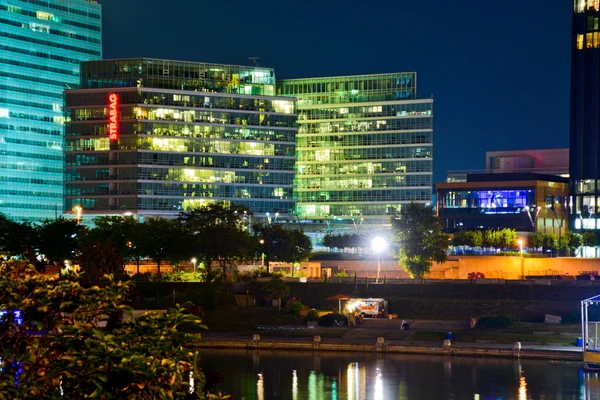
x,y
379,244
193,260
78,210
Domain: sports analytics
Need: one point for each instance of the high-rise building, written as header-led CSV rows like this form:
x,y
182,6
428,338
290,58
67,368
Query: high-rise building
x,y
155,137
41,45
364,147
584,164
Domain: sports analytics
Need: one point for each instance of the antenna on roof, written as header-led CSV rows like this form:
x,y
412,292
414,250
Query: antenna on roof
x,y
254,60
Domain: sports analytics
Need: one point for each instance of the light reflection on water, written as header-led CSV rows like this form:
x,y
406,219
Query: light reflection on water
x,y
265,375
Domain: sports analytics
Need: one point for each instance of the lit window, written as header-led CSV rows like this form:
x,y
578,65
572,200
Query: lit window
x,y
589,40
3,112
45,16
579,42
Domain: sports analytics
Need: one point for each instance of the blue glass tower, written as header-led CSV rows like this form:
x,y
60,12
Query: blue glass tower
x,y
41,45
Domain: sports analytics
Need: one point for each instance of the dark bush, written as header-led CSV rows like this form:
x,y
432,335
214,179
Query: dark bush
x,y
500,321
295,306
333,319
313,315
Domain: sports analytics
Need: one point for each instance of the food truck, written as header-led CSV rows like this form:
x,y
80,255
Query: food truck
x,y
367,308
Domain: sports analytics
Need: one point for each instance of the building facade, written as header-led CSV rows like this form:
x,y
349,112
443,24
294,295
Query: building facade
x,y
585,111
155,137
364,147
526,202
538,161
41,45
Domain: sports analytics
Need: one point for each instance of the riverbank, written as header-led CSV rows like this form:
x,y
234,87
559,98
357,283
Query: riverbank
x,y
381,345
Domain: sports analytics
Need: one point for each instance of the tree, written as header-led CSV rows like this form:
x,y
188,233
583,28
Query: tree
x,y
589,239
535,240
54,348
276,289
159,239
507,238
20,240
282,244
549,242
419,239
569,241
60,239
124,233
218,233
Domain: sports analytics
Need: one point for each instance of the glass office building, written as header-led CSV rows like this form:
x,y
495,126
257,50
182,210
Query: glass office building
x,y
155,137
364,147
41,45
584,164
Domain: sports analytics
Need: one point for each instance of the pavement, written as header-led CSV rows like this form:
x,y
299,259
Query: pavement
x,y
370,329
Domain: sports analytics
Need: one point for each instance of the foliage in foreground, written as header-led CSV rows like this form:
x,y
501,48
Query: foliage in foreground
x,y
58,350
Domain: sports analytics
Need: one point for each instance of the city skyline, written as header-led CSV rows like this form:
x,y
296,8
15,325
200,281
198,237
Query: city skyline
x,y
495,85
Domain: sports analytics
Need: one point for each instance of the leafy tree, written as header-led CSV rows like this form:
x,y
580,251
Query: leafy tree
x,y
58,351
475,238
218,233
589,238
461,238
160,239
60,239
535,240
507,238
276,289
125,235
549,242
20,240
569,241
100,258
282,244
419,239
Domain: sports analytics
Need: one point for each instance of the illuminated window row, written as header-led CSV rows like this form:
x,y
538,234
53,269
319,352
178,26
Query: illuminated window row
x,y
166,114
71,8
173,159
188,99
364,183
179,75
586,5
365,168
21,89
328,212
592,41
46,16
188,175
365,195
91,51
183,130
368,153
17,128
366,126
395,110
39,54
305,143
39,27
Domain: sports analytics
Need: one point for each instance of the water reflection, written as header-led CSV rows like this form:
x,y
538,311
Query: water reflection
x,y
350,376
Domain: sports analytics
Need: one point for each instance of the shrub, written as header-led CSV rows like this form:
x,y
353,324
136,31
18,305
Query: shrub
x,y
333,319
500,321
313,315
341,274
296,306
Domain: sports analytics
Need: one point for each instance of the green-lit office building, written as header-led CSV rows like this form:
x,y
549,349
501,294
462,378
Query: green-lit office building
x,y
41,45
154,137
364,147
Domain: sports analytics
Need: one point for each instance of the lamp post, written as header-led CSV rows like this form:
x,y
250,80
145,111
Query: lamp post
x,y
78,210
378,244
194,261
262,252
520,242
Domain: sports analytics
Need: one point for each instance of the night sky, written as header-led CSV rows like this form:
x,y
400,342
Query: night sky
x,y
499,71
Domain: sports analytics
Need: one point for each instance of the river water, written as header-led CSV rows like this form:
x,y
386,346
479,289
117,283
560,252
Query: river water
x,y
266,375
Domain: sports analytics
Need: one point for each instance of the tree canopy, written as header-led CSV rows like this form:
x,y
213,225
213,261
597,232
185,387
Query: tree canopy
x,y
417,234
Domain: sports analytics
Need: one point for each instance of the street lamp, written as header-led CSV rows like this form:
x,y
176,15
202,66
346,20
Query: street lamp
x,y
378,243
194,261
78,210
520,242
262,252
